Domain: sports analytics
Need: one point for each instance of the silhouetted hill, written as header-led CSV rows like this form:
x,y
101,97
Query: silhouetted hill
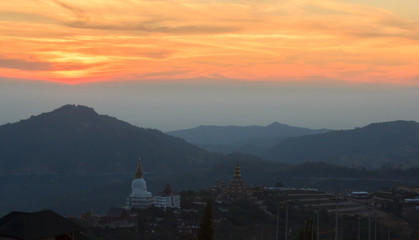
x,y
394,144
75,139
248,139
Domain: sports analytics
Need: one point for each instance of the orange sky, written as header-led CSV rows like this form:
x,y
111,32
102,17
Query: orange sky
x,y
76,41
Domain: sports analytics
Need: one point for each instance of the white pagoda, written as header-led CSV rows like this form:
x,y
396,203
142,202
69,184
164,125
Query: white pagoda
x,y
139,197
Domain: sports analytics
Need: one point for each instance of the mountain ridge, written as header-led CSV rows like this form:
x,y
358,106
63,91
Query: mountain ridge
x,y
210,134
74,139
391,144
251,139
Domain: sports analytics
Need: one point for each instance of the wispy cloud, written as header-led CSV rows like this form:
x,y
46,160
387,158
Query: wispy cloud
x,y
24,65
76,11
154,28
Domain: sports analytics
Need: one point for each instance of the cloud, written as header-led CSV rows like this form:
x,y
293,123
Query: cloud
x,y
24,64
78,12
25,17
250,40
155,28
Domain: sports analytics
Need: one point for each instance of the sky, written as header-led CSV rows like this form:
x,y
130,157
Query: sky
x,y
182,63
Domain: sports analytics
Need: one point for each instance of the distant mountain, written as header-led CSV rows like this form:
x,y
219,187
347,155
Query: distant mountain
x,y
75,139
392,144
248,139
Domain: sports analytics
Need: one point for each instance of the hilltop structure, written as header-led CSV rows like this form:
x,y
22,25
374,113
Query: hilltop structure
x,y
167,199
139,197
235,191
237,186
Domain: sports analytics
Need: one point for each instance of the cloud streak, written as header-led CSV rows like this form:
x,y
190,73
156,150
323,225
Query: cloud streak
x,y
24,65
187,29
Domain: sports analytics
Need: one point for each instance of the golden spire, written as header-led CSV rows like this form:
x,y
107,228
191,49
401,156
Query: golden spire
x,y
139,173
237,173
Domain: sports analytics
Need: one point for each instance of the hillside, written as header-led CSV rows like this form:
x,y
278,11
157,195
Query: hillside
x,y
248,139
77,140
74,194
392,144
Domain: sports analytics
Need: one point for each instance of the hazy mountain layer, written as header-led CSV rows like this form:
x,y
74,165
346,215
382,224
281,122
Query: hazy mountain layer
x,y
248,139
393,144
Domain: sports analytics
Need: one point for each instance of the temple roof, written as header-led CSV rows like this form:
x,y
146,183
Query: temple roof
x,y
139,173
167,191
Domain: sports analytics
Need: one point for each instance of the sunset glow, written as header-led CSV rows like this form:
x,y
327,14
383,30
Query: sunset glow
x,y
78,41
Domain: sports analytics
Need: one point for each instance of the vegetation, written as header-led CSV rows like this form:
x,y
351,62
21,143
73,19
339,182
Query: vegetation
x,y
308,232
206,225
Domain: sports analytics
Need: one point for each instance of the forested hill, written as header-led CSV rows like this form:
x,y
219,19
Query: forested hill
x,y
394,144
75,139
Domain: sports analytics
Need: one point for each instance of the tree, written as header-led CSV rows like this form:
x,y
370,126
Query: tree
x,y
206,225
279,184
308,232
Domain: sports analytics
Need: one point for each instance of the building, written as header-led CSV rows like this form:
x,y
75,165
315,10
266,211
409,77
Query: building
x,y
360,195
167,199
43,225
237,187
139,197
235,191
